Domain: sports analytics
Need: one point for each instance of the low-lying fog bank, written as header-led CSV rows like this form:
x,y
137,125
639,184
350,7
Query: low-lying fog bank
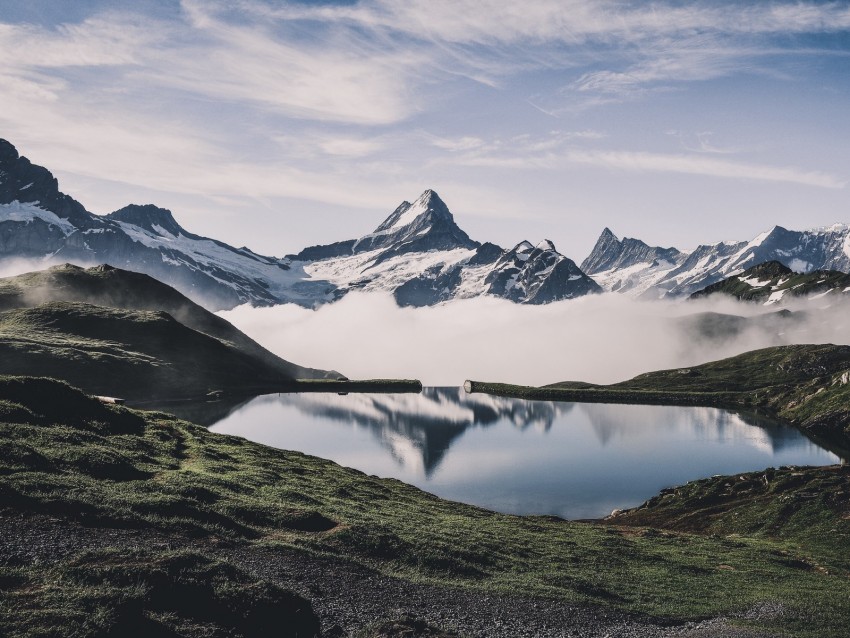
x,y
599,338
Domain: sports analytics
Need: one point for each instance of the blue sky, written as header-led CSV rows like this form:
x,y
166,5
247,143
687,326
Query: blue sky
x,y
280,124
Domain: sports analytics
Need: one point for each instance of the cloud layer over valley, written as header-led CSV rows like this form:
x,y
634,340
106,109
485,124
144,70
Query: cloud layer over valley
x,y
599,338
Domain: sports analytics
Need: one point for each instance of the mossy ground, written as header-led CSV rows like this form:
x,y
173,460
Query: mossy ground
x,y
150,594
111,466
405,628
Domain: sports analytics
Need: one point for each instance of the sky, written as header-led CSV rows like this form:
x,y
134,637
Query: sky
x,y
278,125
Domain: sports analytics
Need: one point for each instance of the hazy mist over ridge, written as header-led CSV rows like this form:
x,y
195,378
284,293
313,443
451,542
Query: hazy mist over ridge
x,y
598,338
12,266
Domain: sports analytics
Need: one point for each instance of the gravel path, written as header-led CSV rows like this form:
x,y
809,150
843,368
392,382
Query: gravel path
x,y
348,597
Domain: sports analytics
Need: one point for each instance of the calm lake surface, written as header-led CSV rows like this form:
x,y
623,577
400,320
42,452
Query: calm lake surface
x,y
574,460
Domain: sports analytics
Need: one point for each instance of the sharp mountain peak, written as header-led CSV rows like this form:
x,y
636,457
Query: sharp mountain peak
x,y
427,209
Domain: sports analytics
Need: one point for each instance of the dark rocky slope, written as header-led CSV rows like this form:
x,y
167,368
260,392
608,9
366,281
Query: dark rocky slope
x,y
773,282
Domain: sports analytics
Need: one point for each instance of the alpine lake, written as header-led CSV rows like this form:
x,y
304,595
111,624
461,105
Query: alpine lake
x,y
572,460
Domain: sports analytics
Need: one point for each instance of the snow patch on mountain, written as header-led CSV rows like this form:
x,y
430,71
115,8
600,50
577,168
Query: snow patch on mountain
x,y
212,257
630,266
775,297
361,272
472,282
409,215
25,213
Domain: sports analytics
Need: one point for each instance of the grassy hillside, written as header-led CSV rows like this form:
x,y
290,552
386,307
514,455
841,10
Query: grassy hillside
x,y
807,385
148,594
121,333
132,354
116,288
65,455
794,503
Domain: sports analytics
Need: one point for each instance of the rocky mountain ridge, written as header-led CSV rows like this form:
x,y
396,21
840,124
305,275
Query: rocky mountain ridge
x,y
632,267
772,283
39,222
418,253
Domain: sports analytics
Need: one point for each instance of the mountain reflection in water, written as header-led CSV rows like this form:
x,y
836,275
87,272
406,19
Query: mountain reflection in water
x,y
418,429
569,459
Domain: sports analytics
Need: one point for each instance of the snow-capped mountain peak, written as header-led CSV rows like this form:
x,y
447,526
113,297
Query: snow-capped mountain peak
x,y
626,265
422,256
759,239
426,224
26,183
537,274
427,210
38,221
635,268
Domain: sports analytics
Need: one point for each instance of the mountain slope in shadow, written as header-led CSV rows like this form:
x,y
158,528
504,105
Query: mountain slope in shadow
x,y
112,331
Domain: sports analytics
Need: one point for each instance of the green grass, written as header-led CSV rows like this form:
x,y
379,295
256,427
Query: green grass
x,y
108,465
811,505
151,594
127,353
123,289
137,352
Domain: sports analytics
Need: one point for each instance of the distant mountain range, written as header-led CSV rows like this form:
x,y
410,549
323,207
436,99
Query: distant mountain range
x,y
418,254
632,267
